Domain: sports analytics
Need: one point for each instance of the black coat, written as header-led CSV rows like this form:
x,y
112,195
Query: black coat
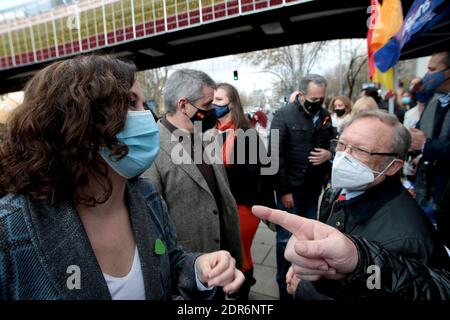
x,y
443,217
433,172
298,136
247,184
388,215
401,277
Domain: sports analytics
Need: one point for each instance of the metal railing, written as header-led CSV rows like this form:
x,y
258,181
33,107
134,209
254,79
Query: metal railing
x,y
39,32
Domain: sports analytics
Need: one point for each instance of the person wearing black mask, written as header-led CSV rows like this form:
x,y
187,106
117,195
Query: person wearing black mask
x,y
340,108
305,131
193,185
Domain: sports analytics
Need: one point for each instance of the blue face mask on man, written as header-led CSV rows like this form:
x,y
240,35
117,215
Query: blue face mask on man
x,y
141,135
430,82
221,110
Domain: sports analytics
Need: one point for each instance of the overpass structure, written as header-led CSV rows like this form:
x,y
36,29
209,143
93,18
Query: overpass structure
x,y
155,33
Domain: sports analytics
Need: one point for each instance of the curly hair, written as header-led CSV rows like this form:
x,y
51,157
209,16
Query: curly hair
x,y
71,109
262,119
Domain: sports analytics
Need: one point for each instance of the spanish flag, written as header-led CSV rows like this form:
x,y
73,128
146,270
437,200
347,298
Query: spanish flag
x,y
386,20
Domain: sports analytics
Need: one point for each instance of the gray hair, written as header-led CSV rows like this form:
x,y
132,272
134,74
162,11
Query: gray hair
x,y
185,83
314,78
402,138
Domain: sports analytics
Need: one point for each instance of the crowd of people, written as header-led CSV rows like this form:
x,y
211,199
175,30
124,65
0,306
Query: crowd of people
x,y
146,208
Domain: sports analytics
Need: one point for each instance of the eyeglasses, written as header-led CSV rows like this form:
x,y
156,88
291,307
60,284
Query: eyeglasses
x,y
337,145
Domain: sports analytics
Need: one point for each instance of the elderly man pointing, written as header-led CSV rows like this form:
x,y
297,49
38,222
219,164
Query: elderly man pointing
x,y
317,251
367,198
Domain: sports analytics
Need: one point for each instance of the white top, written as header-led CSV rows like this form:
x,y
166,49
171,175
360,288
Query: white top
x,y
337,122
130,287
412,116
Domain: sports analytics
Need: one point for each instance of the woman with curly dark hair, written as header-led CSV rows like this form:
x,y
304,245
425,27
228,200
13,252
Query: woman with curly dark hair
x,y
76,221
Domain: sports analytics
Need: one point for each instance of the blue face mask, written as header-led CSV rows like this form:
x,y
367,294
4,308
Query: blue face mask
x,y
406,100
432,81
221,110
141,135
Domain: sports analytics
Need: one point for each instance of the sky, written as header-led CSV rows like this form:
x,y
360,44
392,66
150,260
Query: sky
x,y
250,79
6,4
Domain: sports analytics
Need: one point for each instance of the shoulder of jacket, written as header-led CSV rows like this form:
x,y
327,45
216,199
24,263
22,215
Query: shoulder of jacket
x,y
10,204
144,186
150,194
286,109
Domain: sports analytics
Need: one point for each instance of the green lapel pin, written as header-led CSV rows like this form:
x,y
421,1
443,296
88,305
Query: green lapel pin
x,y
160,248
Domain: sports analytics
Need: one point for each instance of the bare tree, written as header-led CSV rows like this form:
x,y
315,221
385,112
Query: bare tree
x,y
353,75
406,71
152,82
289,64
352,70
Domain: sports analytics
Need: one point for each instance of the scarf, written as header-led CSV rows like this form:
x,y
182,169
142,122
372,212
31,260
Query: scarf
x,y
227,148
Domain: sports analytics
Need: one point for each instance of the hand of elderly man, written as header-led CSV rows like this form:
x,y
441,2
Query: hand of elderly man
x,y
315,250
418,139
218,269
319,156
291,281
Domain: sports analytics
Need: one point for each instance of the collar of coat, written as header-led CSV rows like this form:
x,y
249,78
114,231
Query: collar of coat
x,y
364,206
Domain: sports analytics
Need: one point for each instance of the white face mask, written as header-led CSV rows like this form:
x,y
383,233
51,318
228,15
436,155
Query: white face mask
x,y
352,174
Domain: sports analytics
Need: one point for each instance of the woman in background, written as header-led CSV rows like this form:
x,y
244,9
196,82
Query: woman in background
x,y
340,108
260,123
247,185
364,103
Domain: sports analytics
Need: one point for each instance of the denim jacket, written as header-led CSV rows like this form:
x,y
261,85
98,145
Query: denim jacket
x,y
40,244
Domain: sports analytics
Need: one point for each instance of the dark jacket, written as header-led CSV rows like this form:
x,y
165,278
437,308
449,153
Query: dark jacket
x,y
401,277
39,242
388,215
433,172
443,217
298,136
247,184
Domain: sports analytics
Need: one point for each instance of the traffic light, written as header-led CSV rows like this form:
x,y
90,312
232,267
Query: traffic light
x,y
235,75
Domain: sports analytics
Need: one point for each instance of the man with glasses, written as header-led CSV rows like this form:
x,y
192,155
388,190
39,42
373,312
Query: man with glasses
x,y
194,188
304,131
367,198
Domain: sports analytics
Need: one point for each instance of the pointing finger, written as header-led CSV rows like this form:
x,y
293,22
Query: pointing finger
x,y
295,224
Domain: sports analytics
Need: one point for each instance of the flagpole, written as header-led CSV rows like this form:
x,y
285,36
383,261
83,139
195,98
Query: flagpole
x,y
392,99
